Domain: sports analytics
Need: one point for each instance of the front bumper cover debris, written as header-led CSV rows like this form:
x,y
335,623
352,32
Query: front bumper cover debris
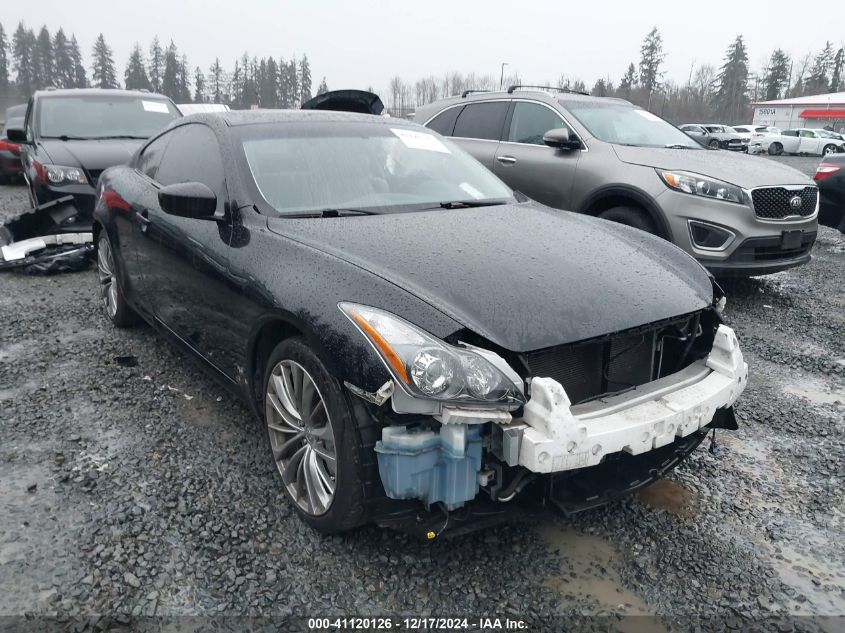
x,y
49,238
554,436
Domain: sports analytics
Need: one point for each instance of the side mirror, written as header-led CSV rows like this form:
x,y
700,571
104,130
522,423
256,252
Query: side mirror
x,y
16,134
560,138
188,200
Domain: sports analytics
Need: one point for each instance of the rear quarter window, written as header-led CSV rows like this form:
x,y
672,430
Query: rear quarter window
x,y
444,123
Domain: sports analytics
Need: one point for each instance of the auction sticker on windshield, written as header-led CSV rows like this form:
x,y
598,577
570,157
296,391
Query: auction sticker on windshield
x,y
420,140
155,106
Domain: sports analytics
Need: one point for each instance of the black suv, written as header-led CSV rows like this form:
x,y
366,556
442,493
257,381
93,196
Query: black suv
x,y
71,136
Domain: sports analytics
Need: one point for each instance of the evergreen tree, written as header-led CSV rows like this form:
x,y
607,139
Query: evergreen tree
x,y
835,76
156,67
199,85
235,87
651,57
217,81
732,95
43,60
629,80
817,81
23,42
103,73
322,88
4,63
64,63
183,81
304,80
777,75
80,79
269,87
136,74
170,78
288,85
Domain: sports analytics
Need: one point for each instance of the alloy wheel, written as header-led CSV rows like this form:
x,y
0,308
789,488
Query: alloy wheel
x,y
301,437
108,281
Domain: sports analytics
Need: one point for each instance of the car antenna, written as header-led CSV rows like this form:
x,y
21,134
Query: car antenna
x,y
555,88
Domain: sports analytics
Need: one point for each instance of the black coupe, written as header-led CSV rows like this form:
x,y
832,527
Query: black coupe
x,y
424,347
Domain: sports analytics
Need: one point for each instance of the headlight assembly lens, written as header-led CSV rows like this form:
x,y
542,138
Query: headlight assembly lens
x,y
698,185
426,367
58,175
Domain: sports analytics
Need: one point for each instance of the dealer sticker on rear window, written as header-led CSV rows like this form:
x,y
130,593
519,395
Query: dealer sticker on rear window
x,y
420,140
155,106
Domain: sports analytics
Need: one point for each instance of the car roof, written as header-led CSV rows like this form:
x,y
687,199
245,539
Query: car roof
x,y
91,92
237,118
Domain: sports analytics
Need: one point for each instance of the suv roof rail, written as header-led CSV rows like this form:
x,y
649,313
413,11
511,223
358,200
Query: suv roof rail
x,y
555,88
467,92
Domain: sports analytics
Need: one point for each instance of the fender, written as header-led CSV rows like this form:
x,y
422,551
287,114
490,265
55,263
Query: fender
x,y
621,192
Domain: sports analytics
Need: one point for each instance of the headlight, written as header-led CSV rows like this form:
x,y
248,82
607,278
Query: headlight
x,y
426,367
699,185
59,175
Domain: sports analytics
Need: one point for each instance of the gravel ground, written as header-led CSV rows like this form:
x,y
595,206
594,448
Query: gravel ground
x,y
148,490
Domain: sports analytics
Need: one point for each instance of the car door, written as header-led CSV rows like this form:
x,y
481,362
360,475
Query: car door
x,y
184,260
809,143
527,164
478,129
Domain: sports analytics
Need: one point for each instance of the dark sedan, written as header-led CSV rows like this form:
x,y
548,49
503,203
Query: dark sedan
x,y
10,152
424,348
73,135
830,177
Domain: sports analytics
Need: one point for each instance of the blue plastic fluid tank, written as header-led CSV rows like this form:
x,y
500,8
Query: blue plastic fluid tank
x,y
417,463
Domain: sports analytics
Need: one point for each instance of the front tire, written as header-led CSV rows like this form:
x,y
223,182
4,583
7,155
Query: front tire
x,y
829,149
630,216
313,439
714,144
111,295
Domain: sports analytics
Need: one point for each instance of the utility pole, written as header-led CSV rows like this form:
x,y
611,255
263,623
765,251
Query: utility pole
x,y
502,75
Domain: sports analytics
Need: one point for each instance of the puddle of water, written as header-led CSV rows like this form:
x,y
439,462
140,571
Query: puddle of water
x,y
798,570
669,495
586,572
816,392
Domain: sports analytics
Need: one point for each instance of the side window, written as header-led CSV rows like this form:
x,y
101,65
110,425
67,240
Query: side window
x,y
193,155
444,122
150,158
790,133
531,121
807,134
482,120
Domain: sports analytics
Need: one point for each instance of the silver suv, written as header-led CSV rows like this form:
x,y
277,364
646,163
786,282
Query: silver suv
x,y
605,157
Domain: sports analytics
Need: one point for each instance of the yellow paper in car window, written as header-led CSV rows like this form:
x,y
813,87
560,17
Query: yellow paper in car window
x,y
155,106
420,140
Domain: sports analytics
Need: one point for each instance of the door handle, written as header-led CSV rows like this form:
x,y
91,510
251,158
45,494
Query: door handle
x,y
143,220
506,160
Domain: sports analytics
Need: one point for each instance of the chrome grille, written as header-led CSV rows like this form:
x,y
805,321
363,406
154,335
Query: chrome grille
x,y
774,203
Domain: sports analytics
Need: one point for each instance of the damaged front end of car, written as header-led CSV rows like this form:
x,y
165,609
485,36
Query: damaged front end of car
x,y
477,435
49,238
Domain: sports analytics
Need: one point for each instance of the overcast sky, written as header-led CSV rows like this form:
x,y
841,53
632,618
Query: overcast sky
x,y
355,44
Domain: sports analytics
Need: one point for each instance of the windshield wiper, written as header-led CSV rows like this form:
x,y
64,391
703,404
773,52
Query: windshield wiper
x,y
677,146
67,137
468,204
336,213
129,136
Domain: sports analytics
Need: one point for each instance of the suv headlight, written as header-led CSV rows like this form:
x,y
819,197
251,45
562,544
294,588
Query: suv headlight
x,y
698,185
60,175
426,367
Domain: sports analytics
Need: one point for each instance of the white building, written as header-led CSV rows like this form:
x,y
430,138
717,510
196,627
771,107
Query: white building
x,y
815,111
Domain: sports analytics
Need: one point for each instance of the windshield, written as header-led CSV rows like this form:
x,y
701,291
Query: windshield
x,y
625,125
313,166
91,117
826,134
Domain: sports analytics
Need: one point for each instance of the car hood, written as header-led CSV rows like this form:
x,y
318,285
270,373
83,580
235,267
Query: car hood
x,y
91,154
738,169
523,276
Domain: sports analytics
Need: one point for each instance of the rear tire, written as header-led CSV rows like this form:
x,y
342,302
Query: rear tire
x,y
331,430
630,216
775,149
111,294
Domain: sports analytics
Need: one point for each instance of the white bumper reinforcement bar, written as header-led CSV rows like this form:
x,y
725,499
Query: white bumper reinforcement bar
x,y
554,436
